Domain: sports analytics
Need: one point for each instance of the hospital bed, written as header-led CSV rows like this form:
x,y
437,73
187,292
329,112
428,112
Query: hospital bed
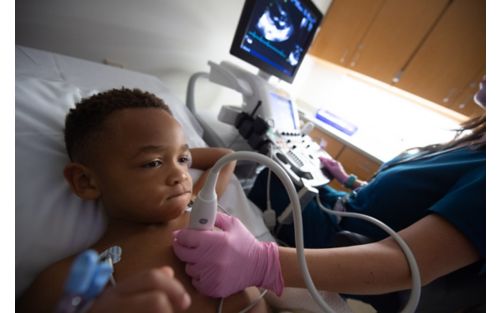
x,y
51,222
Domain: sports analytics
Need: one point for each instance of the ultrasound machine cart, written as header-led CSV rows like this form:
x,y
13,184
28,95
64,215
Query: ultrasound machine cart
x,y
273,36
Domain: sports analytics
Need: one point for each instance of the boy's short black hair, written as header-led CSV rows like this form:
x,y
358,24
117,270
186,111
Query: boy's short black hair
x,y
85,121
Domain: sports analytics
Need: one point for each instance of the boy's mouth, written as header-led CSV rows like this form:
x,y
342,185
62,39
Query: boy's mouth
x,y
179,194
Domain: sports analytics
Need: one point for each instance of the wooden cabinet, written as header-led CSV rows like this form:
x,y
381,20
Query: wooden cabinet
x,y
376,38
464,102
432,48
452,59
343,28
332,146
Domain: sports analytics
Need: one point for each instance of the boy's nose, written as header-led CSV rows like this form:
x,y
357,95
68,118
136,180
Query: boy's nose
x,y
176,176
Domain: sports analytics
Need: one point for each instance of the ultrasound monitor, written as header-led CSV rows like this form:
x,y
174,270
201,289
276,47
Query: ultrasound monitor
x,y
284,115
274,35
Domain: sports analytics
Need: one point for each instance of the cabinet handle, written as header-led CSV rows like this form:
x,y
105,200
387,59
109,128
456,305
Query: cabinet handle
x,y
451,94
397,77
465,102
356,56
344,55
462,105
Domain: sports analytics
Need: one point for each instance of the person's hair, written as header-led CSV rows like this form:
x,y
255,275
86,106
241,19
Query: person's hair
x,y
472,134
85,121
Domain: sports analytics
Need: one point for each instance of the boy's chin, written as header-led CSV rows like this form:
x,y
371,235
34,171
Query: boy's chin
x,y
177,208
177,212
180,201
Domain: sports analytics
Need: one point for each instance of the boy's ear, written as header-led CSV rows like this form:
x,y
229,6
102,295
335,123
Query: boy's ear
x,y
81,181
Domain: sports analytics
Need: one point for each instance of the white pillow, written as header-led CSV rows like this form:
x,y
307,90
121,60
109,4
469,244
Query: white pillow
x,y
52,222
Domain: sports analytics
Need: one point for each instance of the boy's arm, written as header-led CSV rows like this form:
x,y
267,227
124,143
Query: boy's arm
x,y
46,290
204,159
153,290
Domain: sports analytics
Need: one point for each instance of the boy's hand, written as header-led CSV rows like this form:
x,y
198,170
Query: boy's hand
x,y
152,291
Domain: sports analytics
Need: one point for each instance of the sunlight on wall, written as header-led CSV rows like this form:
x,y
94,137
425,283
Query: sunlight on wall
x,y
386,116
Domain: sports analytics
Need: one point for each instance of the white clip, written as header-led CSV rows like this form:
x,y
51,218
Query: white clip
x,y
114,254
111,255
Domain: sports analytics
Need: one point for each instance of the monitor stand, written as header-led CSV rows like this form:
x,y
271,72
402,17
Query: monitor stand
x,y
264,75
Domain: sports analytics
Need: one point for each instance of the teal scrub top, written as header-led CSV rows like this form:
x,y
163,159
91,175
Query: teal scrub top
x,y
450,184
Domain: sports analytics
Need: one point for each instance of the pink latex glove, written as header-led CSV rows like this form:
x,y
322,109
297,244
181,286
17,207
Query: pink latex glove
x,y
335,168
224,262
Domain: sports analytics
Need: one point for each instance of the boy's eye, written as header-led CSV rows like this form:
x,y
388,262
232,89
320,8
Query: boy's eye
x,y
185,159
153,164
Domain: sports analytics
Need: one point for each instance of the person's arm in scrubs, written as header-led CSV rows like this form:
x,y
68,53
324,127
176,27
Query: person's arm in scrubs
x,y
224,262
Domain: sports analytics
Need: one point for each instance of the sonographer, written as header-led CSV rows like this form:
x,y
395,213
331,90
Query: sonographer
x,y
435,199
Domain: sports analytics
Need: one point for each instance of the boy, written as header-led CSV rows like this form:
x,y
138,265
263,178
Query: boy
x,y
128,151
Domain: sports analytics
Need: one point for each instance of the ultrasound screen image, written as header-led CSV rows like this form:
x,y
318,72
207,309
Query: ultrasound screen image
x,y
278,32
275,24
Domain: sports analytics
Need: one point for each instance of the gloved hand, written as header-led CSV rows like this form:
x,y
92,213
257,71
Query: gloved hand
x,y
224,262
335,169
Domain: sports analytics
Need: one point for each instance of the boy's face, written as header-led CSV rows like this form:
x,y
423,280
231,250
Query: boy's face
x,y
141,166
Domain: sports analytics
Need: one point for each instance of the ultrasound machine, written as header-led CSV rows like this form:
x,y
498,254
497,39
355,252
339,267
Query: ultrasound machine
x,y
274,36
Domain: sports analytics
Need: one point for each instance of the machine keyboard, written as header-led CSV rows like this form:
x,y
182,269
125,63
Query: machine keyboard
x,y
295,158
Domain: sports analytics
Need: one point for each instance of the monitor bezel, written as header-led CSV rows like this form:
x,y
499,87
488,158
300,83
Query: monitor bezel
x,y
236,50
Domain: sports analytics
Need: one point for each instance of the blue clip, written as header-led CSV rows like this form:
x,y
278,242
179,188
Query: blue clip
x,y
81,273
87,278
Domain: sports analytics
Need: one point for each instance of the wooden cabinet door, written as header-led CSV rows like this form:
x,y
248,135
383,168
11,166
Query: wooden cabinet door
x,y
435,49
375,37
333,147
342,28
464,103
452,57
395,34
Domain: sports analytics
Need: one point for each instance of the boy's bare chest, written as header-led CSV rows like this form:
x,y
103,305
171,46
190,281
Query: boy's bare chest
x,y
146,249
152,248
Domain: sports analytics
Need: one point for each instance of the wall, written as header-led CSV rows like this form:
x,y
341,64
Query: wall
x,y
170,39
173,39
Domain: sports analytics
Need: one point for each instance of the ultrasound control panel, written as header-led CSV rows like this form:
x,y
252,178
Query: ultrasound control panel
x,y
299,155
269,122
